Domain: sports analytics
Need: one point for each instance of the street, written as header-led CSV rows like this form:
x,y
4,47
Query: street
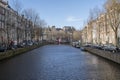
x,y
58,62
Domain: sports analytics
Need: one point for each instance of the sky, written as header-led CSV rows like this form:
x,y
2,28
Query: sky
x,y
63,12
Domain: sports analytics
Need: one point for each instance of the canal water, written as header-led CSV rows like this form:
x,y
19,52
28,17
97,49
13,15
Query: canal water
x,y
58,62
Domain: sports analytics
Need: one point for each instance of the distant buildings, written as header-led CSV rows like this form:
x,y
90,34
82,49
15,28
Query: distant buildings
x,y
53,33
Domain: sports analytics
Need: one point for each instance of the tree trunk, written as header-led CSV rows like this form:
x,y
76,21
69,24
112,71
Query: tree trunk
x,y
116,39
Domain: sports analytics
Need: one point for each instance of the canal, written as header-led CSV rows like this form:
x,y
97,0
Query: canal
x,y
58,62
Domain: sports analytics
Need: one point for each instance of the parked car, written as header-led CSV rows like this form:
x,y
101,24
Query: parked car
x,y
27,43
97,47
3,48
20,45
87,45
73,44
35,43
82,48
77,45
110,48
118,49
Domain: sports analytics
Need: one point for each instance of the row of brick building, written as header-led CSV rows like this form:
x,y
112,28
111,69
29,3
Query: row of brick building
x,y
100,30
14,26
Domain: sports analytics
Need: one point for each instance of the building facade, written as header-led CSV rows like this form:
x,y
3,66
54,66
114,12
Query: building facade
x,y
13,26
99,31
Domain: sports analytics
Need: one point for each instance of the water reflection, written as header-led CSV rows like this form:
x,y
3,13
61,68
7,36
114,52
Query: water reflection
x,y
58,62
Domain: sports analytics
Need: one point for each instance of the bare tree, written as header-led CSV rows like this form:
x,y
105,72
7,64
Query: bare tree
x,y
17,5
97,13
39,28
76,35
33,16
113,15
90,25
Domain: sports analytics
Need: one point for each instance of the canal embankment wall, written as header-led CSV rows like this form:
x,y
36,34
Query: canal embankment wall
x,y
11,53
115,57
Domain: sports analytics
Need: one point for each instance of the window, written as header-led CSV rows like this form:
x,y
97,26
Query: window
x,y
2,11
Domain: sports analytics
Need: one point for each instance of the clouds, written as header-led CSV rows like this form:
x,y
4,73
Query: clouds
x,y
73,19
